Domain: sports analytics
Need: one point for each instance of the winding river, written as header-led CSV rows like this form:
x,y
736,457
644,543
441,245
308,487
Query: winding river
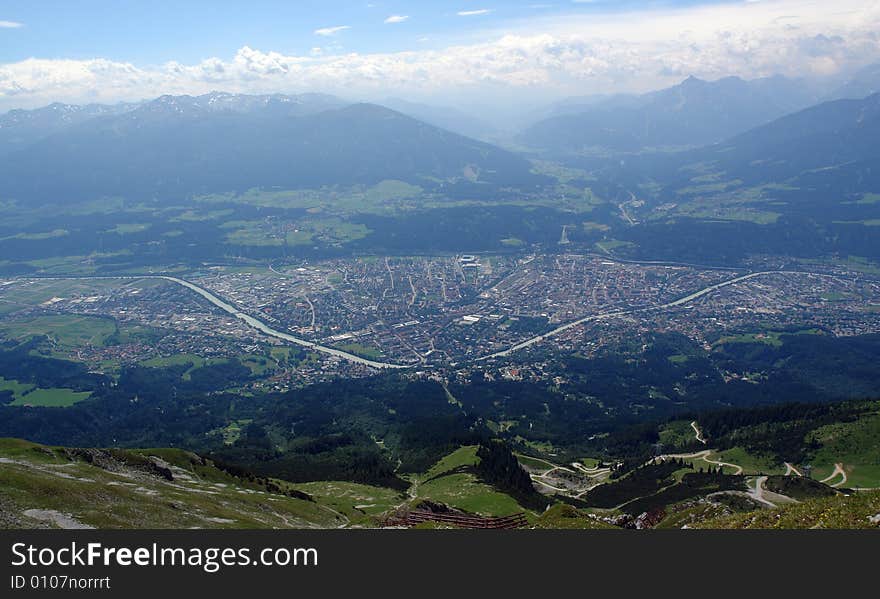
x,y
266,329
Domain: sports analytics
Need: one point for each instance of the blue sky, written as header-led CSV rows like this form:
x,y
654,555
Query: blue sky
x,y
451,51
156,31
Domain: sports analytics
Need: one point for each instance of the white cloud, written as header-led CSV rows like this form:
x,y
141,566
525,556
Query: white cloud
x,y
397,18
10,24
328,31
473,13
550,56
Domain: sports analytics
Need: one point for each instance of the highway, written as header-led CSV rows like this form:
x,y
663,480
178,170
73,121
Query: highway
x,y
248,319
604,316
266,329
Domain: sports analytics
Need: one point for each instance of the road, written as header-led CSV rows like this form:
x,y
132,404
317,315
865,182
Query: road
x,y
697,432
266,329
736,467
314,314
838,471
605,316
250,320
758,492
698,455
626,216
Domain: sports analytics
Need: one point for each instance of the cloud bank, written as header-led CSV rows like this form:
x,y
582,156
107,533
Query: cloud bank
x,y
552,57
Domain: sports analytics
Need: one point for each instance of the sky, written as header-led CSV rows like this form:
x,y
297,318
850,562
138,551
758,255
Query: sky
x,y
449,51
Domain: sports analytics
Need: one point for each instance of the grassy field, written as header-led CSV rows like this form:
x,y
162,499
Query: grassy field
x,y
732,213
77,264
38,236
129,228
360,503
854,444
51,398
298,237
869,198
870,222
251,233
463,490
534,463
772,338
590,226
676,433
463,456
830,512
25,394
15,295
381,198
193,360
751,463
701,463
202,215
258,365
47,487
609,245
18,389
232,431
66,331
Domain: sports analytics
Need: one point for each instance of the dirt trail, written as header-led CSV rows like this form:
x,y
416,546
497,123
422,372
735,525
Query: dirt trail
x,y
838,471
738,469
757,492
700,455
697,433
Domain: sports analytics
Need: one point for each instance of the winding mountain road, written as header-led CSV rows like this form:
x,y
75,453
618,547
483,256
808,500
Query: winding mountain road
x,y
757,493
697,433
838,471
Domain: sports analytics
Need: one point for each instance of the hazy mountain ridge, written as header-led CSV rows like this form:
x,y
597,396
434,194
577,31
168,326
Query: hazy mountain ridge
x,y
693,113
21,127
863,83
444,117
832,145
182,145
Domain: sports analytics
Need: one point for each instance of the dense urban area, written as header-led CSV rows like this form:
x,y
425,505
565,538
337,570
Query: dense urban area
x,y
445,314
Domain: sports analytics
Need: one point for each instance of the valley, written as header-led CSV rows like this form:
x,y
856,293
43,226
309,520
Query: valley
x,y
465,308
336,314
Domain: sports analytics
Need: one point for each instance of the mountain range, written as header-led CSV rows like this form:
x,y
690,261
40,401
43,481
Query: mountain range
x,y
692,113
182,145
831,147
754,132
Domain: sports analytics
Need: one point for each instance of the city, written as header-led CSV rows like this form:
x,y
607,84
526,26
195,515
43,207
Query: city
x,y
446,313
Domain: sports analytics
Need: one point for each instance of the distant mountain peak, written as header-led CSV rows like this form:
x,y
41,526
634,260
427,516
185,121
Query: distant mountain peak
x,y
693,113
176,146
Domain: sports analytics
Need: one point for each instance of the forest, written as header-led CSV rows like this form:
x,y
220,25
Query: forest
x,y
390,424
